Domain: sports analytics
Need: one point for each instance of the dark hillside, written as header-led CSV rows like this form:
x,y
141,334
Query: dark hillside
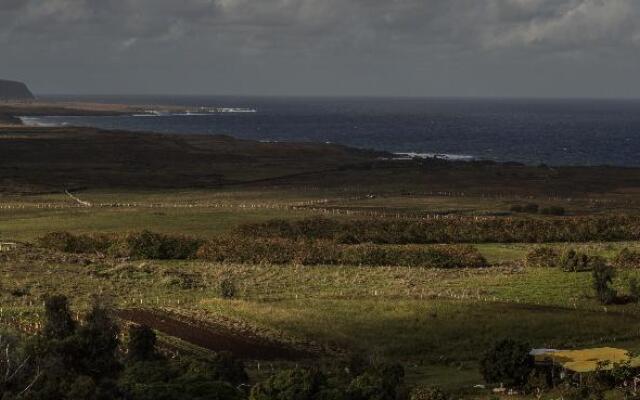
x,y
12,90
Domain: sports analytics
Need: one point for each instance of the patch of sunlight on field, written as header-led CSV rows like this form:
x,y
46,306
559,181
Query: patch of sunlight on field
x,y
497,252
431,330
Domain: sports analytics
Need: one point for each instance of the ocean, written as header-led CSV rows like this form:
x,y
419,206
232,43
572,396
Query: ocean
x,y
531,131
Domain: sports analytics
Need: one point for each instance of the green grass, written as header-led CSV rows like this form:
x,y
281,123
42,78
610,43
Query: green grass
x,y
436,322
27,225
432,321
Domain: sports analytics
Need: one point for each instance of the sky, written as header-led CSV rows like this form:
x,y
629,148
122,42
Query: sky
x,y
506,48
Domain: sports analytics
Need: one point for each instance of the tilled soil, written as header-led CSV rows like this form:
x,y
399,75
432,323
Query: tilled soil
x,y
213,336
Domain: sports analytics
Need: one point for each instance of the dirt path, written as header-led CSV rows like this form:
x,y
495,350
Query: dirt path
x,y
77,199
213,337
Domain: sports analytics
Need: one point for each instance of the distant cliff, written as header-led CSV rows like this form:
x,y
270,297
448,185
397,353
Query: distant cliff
x,y
11,90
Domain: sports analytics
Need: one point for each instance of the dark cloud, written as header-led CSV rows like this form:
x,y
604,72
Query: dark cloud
x,y
398,47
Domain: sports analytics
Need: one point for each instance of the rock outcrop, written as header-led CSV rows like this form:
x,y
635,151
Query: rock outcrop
x,y
11,90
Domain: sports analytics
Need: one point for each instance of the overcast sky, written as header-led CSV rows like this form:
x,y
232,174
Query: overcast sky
x,y
566,48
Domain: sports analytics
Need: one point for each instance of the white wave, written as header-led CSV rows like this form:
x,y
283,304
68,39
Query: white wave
x,y
443,156
41,122
202,111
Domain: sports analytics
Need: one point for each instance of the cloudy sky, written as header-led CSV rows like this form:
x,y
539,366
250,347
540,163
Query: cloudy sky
x,y
566,48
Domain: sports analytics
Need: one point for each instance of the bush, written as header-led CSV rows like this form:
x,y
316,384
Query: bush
x,y
145,244
627,259
582,392
151,245
69,243
542,257
242,251
507,362
227,289
293,384
573,261
428,393
221,366
378,382
603,275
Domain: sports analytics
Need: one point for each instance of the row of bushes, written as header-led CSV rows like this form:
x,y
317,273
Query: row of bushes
x,y
282,251
572,260
145,244
148,245
452,230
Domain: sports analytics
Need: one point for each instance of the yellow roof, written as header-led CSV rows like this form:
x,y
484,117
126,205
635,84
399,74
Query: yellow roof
x,y
586,360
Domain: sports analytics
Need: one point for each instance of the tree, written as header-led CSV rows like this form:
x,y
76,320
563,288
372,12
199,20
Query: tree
x,y
58,323
142,343
508,362
603,275
293,384
380,382
93,349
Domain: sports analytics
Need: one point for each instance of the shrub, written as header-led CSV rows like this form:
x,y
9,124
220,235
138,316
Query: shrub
x,y
166,380
627,259
603,275
227,289
317,252
143,244
507,362
151,245
69,243
542,257
378,382
221,366
242,251
428,393
573,261
293,384
582,392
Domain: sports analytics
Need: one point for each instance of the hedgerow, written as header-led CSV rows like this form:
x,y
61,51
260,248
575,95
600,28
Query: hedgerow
x,y
282,251
144,244
542,257
458,229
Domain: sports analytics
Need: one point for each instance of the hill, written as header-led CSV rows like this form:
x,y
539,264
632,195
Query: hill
x,y
12,90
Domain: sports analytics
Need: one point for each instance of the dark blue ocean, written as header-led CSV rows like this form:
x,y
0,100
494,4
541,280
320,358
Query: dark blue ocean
x,y
533,131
